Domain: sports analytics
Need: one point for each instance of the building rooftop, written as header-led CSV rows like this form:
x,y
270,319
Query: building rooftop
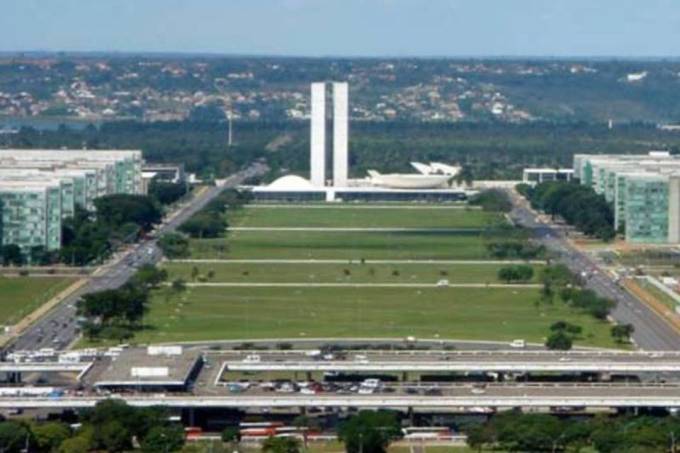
x,y
137,367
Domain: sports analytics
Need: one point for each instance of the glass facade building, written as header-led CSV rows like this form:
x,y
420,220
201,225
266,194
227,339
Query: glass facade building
x,y
41,188
644,191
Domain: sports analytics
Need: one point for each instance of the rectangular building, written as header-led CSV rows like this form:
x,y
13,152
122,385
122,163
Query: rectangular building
x,y
317,166
340,133
30,214
644,190
40,188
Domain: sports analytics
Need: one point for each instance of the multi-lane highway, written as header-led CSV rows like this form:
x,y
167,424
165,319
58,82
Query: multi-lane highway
x,y
651,331
453,397
58,328
451,361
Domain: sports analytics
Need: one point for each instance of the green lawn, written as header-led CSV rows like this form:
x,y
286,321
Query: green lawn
x,y
203,313
347,217
349,273
19,296
659,295
341,245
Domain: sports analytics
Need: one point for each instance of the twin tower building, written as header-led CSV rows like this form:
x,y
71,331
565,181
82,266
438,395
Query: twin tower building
x,y
321,117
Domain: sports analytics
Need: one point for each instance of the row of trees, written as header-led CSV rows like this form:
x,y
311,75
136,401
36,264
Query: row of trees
x,y
118,313
110,426
578,205
516,273
515,431
514,249
494,200
559,281
211,221
89,237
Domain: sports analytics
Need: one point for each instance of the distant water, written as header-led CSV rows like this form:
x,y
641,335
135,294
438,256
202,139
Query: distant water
x,y
42,123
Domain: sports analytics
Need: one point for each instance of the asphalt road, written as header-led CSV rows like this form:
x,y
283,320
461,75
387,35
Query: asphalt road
x,y
651,331
58,328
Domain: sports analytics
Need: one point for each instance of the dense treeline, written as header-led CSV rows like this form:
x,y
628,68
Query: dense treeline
x,y
504,241
515,431
111,426
578,205
493,200
488,150
167,192
559,281
118,313
121,218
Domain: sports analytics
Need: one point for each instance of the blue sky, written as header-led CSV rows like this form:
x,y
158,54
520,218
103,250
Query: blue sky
x,y
625,28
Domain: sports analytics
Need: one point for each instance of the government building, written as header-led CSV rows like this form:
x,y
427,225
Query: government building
x,y
41,188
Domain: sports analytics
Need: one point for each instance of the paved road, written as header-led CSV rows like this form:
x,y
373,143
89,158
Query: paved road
x,y
651,331
399,396
58,329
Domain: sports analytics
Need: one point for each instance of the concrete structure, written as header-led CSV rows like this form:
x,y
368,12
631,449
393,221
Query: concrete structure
x,y
538,175
150,369
453,398
317,140
523,361
431,183
402,181
39,188
30,214
340,133
643,189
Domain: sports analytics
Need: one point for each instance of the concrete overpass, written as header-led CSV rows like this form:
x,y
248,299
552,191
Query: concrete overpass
x,y
44,367
461,398
456,361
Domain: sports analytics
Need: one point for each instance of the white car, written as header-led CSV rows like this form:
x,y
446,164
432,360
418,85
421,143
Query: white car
x,y
252,358
361,358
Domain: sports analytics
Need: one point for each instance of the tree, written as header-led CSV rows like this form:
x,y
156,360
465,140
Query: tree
x,y
493,200
49,436
205,224
281,445
126,305
579,205
622,332
530,432
480,435
163,439
516,273
78,444
178,285
14,436
174,245
11,255
231,434
149,276
370,432
559,341
118,209
113,436
566,327
166,192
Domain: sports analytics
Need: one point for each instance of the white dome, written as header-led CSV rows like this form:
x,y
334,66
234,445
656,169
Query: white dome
x,y
291,182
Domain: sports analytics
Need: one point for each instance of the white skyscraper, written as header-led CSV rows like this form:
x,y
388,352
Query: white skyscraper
x,y
340,133
318,135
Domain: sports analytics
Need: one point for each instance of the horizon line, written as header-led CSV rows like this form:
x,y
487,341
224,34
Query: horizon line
x,y
211,54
